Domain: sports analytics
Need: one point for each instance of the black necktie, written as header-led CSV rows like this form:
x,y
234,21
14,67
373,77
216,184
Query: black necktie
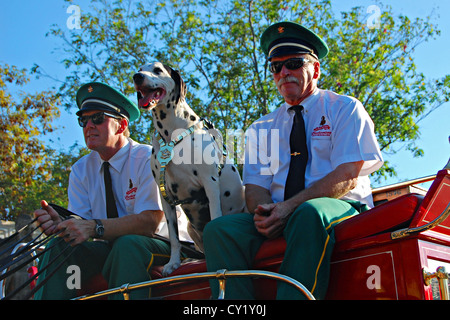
x,y
295,181
111,209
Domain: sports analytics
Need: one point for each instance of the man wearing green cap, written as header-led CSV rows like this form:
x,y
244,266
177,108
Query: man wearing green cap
x,y
306,169
112,189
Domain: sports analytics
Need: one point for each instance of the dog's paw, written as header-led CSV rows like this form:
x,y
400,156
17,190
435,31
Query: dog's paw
x,y
170,267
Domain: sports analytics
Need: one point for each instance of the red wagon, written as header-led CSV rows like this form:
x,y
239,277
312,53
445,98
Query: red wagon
x,y
399,250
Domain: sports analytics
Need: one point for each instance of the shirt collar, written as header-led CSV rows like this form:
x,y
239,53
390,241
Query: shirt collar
x,y
118,160
307,103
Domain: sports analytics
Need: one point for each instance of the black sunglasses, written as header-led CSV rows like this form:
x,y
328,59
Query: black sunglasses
x,y
291,64
97,118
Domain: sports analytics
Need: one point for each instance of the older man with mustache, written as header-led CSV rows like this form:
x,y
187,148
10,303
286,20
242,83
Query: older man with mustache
x,y
327,150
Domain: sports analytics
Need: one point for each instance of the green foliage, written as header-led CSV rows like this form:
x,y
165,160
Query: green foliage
x,y
29,171
215,45
377,67
23,156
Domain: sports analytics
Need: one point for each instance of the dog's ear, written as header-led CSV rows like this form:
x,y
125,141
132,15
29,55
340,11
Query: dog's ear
x,y
176,76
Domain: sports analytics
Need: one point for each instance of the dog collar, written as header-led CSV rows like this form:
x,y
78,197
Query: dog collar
x,y
165,154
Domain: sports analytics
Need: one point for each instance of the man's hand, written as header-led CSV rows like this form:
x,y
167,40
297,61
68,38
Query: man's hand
x,y
48,218
76,230
271,218
71,229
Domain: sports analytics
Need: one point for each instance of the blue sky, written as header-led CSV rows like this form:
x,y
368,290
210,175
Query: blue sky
x,y
23,25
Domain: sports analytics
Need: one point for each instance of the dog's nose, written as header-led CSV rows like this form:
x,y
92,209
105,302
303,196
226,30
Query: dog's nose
x,y
138,78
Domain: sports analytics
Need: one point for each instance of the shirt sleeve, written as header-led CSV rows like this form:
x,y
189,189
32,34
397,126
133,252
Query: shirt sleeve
x,y
147,194
78,195
257,167
354,139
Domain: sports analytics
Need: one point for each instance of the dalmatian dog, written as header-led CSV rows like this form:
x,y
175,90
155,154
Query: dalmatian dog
x,y
187,160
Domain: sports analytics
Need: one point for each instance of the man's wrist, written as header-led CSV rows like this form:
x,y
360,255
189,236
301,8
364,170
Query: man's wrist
x,y
99,229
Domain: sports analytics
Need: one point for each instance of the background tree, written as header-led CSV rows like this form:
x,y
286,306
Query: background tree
x,y
52,181
24,159
377,67
215,44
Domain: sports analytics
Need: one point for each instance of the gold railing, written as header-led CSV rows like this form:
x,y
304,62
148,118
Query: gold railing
x,y
220,275
402,233
442,276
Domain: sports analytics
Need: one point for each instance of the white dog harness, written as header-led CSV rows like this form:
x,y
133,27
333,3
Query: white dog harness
x,y
166,154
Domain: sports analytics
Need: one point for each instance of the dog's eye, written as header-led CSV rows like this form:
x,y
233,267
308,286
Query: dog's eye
x,y
157,70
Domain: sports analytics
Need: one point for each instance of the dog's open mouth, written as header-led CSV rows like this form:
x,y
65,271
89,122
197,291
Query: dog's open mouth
x,y
148,98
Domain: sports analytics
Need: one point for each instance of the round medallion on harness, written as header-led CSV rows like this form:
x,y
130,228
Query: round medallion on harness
x,y
165,154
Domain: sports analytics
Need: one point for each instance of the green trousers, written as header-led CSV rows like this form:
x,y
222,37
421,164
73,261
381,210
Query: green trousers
x,y
126,260
231,242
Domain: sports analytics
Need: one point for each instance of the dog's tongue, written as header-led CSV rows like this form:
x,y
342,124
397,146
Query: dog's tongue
x,y
151,98
145,101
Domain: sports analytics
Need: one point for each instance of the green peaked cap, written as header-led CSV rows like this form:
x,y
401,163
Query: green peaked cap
x,y
286,37
100,96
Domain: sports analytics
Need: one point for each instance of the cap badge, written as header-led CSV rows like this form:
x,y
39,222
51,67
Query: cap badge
x,y
280,29
90,89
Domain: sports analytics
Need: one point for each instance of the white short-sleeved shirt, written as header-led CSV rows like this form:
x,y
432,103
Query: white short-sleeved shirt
x,y
134,187
338,130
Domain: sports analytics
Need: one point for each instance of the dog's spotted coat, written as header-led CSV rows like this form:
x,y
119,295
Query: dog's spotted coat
x,y
205,191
